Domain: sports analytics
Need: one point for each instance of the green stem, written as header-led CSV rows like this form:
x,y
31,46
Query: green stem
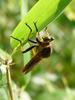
x,y
9,82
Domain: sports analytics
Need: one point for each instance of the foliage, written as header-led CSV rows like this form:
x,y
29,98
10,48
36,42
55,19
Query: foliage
x,y
52,78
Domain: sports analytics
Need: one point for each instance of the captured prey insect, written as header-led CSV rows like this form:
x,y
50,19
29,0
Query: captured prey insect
x,y
43,48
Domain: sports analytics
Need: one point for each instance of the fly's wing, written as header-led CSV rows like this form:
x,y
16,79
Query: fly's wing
x,y
28,67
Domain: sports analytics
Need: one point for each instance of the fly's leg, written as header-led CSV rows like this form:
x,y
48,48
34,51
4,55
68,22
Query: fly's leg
x,y
30,48
17,39
29,28
46,32
32,41
21,44
38,39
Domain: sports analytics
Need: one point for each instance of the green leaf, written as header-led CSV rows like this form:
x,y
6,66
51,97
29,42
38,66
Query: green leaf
x,y
43,12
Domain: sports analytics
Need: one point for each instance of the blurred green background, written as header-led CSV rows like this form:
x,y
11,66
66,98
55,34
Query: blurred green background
x,y
55,79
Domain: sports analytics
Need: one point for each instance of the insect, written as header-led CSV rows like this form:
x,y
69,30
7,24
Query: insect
x,y
43,48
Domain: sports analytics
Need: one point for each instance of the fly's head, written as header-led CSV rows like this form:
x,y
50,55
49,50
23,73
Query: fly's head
x,y
47,39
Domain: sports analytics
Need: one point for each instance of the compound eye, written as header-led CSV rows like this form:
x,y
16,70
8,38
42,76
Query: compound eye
x,y
51,39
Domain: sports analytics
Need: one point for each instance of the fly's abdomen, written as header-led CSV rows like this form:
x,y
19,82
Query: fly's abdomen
x,y
43,53
31,63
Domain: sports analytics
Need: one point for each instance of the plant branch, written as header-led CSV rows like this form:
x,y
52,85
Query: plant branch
x,y
9,83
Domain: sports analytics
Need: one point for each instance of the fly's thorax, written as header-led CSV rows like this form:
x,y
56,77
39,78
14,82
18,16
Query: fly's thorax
x,y
45,52
44,44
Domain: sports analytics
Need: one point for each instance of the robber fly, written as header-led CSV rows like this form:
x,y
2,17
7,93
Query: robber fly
x,y
43,48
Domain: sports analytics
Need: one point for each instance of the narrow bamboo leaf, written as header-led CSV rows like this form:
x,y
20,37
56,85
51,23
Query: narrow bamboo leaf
x,y
43,12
